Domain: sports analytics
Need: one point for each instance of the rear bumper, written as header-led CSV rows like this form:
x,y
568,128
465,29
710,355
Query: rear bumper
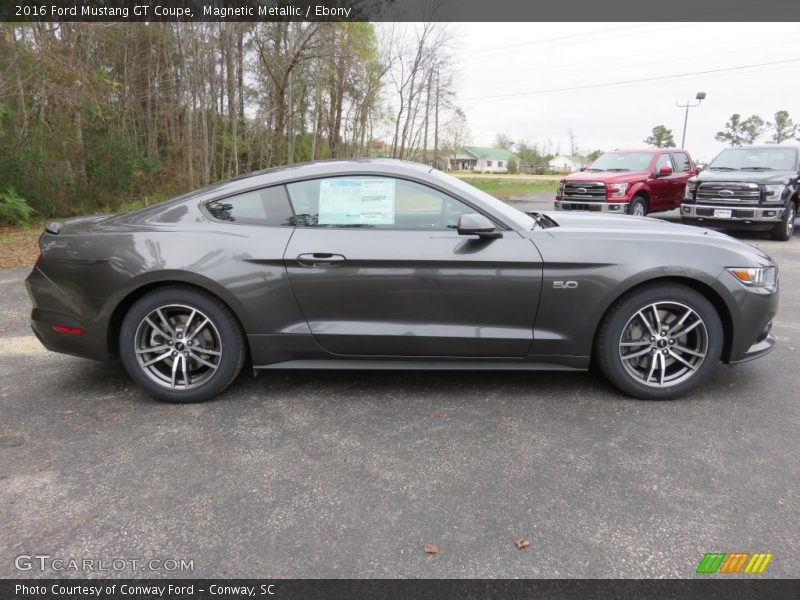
x,y
612,207
53,307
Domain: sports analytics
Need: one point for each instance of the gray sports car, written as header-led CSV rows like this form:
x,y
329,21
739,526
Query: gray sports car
x,y
380,264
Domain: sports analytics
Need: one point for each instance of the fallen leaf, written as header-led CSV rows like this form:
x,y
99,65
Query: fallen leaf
x,y
522,543
431,548
440,413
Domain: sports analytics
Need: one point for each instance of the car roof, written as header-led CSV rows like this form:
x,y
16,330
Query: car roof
x,y
632,150
305,170
336,165
765,147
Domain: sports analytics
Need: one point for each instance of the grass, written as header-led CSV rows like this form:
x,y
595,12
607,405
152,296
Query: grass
x,y
506,187
18,245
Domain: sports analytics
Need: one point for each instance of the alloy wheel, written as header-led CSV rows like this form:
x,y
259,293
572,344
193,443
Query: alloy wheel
x,y
663,344
178,346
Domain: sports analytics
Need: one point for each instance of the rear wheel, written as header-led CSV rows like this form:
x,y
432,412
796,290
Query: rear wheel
x,y
660,342
784,229
637,207
181,345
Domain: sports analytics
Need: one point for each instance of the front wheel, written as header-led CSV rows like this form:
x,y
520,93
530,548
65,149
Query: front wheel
x,y
181,345
660,342
784,229
637,207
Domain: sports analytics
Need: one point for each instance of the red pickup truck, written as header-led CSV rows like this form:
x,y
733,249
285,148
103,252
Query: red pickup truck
x,y
636,182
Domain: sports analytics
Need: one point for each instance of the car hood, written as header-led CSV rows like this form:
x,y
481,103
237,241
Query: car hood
x,y
607,176
641,230
746,176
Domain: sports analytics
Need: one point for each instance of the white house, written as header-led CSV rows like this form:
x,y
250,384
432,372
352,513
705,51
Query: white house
x,y
482,160
569,164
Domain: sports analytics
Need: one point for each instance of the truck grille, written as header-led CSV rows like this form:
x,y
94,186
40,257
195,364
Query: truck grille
x,y
728,193
591,191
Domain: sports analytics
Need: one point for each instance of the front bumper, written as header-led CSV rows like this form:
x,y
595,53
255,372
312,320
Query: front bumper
x,y
752,314
757,350
707,213
572,204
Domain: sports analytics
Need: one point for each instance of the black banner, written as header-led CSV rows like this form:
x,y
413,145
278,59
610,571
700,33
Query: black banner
x,y
438,589
397,10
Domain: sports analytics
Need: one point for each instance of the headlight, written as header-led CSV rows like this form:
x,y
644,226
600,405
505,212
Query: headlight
x,y
688,192
774,193
617,190
560,191
762,278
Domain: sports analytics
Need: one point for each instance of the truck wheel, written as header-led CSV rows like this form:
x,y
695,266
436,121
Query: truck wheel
x,y
637,207
784,228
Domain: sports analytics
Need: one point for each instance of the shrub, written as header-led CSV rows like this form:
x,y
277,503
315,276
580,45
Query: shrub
x,y
14,210
513,167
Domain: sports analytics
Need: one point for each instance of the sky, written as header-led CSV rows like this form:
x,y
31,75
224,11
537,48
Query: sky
x,y
508,75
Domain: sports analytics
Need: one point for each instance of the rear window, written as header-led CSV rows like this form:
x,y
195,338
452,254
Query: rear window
x,y
267,206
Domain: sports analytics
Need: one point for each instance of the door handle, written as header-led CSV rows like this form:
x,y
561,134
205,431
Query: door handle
x,y
320,259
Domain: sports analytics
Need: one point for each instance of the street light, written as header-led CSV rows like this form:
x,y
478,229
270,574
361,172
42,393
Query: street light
x,y
700,96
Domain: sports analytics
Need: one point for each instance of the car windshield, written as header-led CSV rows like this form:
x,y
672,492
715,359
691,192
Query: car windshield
x,y
622,161
755,159
509,212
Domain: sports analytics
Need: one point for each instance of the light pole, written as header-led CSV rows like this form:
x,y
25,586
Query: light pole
x,y
700,96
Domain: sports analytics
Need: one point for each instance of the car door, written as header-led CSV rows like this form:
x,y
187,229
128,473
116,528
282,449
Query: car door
x,y
683,171
378,268
662,187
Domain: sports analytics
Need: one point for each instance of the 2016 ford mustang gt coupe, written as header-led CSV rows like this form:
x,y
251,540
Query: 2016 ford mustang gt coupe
x,y
381,264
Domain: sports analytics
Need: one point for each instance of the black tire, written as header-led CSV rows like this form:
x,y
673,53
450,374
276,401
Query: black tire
x,y
784,229
637,205
219,344
624,317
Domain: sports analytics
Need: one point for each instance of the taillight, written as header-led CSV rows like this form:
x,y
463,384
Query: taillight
x,y
70,330
38,260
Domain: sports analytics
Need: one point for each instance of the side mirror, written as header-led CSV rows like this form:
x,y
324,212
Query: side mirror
x,y
475,224
664,171
584,167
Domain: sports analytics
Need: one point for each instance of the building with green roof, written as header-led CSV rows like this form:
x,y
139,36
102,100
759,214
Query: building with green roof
x,y
482,160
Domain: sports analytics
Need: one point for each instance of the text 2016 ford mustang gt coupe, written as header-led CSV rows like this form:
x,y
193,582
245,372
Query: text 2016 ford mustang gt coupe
x,y
391,265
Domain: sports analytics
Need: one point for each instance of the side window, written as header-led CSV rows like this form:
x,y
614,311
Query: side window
x,y
682,164
664,161
267,206
374,202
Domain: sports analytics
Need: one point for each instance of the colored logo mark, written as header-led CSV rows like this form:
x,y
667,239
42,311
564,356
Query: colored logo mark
x,y
736,562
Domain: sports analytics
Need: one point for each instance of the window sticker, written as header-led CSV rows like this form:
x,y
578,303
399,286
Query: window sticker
x,y
349,201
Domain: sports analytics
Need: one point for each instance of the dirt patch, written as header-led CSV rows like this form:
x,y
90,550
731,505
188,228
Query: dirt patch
x,y
18,246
